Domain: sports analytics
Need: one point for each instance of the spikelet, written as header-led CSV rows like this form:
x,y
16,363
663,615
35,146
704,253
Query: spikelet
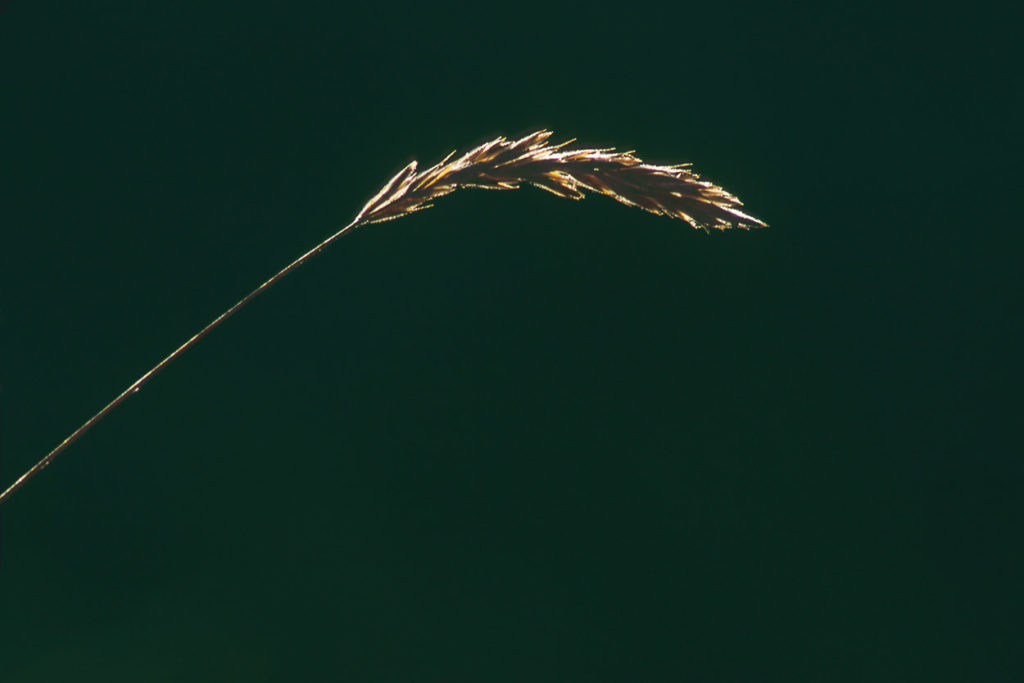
x,y
502,164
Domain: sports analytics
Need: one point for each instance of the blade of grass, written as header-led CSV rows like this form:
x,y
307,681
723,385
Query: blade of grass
x,y
499,164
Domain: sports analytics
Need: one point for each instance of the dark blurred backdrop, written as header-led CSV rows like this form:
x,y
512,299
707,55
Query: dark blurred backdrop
x,y
513,437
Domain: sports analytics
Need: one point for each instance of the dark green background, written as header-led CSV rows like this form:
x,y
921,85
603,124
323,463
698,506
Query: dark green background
x,y
512,438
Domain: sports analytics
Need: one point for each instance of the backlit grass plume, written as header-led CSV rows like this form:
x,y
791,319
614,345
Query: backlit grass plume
x,y
500,164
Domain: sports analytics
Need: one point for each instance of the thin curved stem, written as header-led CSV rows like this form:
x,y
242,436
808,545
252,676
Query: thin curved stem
x,y
137,384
